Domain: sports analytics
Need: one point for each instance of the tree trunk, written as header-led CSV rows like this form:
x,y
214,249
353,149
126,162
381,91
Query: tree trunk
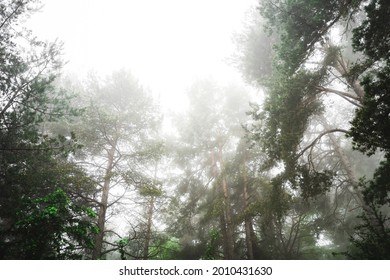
x,y
226,217
227,212
148,228
150,218
346,165
248,221
342,67
96,254
229,223
225,244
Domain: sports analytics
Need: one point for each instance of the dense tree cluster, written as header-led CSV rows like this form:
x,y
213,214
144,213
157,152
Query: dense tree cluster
x,y
88,169
42,213
310,63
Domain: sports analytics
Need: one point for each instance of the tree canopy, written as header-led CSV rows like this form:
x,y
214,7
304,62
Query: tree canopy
x,y
41,190
309,64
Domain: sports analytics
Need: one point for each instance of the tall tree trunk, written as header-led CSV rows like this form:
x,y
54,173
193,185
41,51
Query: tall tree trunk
x,y
96,253
342,67
229,224
150,213
227,211
248,220
225,218
148,233
346,165
223,227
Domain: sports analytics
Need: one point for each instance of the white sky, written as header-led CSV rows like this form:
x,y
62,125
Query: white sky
x,y
166,43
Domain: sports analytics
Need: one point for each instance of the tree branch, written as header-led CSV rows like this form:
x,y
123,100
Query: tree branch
x,y
12,14
319,137
339,92
345,95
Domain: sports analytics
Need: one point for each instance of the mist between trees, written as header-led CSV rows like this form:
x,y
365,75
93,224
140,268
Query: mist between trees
x,y
88,171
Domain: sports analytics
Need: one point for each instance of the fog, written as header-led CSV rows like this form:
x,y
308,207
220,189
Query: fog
x,y
194,130
166,44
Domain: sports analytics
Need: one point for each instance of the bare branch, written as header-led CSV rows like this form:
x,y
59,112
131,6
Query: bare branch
x,y
319,137
339,92
115,201
345,95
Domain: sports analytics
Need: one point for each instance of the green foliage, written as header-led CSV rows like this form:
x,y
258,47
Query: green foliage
x,y
119,128
371,240
41,192
377,190
372,36
213,244
167,250
290,104
118,112
51,227
312,182
301,31
150,190
371,126
301,25
122,243
371,237
208,135
45,198
370,131
254,54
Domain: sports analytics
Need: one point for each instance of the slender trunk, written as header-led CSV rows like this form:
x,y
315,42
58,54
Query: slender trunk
x,y
148,228
225,244
227,212
256,250
225,217
248,221
96,254
149,219
346,165
222,220
342,67
248,238
229,223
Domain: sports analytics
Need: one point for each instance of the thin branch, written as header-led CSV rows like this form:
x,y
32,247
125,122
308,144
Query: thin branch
x,y
319,137
12,14
339,92
345,95
115,201
85,198
113,232
19,89
30,149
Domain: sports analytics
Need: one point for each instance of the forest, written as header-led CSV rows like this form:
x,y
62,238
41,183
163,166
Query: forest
x,y
292,164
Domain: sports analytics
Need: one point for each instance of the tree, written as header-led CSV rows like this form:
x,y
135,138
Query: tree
x,y
117,133
36,176
52,227
254,53
208,136
370,131
308,66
